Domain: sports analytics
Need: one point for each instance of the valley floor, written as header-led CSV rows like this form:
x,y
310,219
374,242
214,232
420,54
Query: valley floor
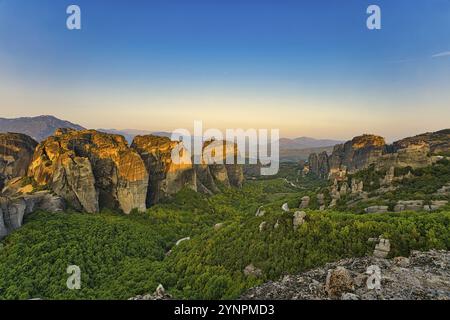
x,y
227,250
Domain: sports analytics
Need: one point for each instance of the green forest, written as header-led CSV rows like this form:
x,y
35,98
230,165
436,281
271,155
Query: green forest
x,y
123,256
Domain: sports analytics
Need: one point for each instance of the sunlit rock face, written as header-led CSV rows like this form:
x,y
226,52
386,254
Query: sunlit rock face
x,y
91,170
438,142
366,150
357,154
16,153
169,165
414,155
219,165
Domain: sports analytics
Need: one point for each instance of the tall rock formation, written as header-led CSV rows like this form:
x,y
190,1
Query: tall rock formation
x,y
406,154
313,164
357,154
324,165
91,170
438,142
366,150
319,164
166,177
219,165
16,152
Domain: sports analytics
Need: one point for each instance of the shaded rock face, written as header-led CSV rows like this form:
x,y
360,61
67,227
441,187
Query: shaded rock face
x,y
91,170
214,167
205,180
313,164
319,164
424,276
235,175
166,177
324,165
16,153
13,210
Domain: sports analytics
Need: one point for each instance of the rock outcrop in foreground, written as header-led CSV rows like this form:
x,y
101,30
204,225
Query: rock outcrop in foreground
x,y
91,170
159,294
422,276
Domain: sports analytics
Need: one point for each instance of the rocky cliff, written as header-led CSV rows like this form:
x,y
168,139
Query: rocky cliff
x,y
166,177
356,154
366,150
91,170
16,152
319,164
422,276
215,168
13,210
438,142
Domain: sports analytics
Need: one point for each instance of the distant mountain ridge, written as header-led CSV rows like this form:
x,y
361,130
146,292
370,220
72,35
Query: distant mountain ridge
x,y
296,155
307,143
39,128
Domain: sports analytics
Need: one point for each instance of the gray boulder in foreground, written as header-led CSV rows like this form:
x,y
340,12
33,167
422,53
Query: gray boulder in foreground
x,y
424,276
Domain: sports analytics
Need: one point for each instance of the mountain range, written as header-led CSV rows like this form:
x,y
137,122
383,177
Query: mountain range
x,y
307,143
38,128
41,127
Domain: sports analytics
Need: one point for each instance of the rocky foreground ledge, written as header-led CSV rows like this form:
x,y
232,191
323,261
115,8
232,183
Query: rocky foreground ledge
x,y
422,276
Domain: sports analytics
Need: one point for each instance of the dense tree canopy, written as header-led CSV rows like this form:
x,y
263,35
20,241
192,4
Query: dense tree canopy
x,y
123,256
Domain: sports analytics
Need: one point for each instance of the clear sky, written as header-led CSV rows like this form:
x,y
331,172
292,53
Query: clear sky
x,y
309,68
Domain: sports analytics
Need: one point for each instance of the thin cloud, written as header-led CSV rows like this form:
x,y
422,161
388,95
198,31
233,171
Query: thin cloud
x,y
441,54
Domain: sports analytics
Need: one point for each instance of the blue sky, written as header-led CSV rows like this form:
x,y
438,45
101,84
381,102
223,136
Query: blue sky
x,y
307,67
